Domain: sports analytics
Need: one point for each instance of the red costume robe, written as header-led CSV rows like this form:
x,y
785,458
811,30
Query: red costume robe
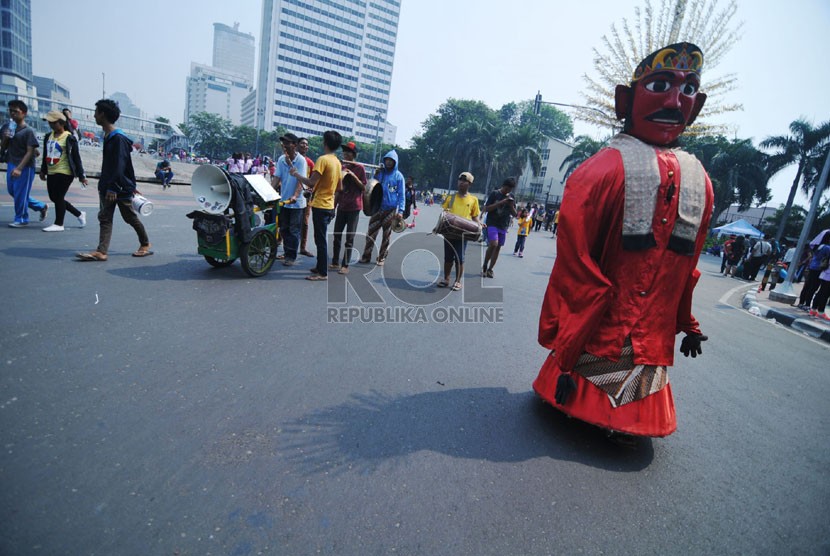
x,y
599,294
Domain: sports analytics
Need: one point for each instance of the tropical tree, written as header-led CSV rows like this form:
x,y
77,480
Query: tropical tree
x,y
795,221
467,135
737,170
210,133
804,147
584,148
701,22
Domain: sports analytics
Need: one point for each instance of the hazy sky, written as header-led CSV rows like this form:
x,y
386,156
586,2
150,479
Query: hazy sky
x,y
496,52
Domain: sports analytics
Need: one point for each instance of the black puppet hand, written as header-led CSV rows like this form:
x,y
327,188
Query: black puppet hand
x,y
565,386
691,344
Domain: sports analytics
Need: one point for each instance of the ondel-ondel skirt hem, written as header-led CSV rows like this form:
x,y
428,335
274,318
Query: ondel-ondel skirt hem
x,y
653,415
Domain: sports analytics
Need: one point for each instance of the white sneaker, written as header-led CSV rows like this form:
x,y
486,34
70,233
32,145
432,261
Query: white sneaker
x,y
53,228
82,219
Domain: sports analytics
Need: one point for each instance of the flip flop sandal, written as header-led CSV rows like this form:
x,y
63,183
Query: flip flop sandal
x,y
455,287
142,253
442,284
380,263
316,278
86,257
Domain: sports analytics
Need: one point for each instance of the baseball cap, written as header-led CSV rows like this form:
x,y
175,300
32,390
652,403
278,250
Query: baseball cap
x,y
350,146
54,116
466,176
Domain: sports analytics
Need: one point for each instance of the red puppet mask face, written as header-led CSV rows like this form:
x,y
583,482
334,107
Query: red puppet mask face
x,y
661,105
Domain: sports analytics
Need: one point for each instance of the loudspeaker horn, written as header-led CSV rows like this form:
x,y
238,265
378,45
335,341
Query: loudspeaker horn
x,y
211,189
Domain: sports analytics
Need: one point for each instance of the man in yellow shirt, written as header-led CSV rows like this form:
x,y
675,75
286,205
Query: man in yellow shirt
x,y
465,205
324,180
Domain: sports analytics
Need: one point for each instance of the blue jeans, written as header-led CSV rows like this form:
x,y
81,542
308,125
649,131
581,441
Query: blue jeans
x,y
321,219
165,177
19,188
291,221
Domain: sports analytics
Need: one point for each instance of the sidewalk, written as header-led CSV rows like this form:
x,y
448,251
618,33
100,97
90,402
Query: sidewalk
x,y
785,313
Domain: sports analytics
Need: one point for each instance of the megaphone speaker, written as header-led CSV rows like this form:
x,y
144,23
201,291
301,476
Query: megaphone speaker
x,y
211,189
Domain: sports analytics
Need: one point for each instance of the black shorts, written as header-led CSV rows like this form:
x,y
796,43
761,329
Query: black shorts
x,y
454,249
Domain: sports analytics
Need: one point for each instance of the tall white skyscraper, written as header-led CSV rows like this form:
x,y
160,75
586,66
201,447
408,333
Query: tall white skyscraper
x,y
326,64
233,50
216,91
220,88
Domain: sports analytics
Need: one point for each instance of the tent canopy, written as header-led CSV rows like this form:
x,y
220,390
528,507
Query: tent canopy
x,y
739,227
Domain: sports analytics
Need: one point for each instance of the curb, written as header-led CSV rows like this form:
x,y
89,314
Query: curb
x,y
805,325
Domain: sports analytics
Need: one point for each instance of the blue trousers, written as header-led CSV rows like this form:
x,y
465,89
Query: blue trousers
x,y
19,188
165,177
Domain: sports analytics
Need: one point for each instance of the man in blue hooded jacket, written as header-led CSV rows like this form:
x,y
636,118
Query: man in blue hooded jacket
x,y
391,209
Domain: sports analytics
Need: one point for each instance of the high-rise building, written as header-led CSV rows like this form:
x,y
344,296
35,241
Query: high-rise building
x,y
233,50
16,48
126,104
216,91
55,90
327,65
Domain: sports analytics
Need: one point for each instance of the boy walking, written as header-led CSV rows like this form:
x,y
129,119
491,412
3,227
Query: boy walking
x,y
116,186
21,142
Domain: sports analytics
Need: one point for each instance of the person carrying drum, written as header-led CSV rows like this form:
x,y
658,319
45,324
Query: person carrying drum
x,y
392,207
464,205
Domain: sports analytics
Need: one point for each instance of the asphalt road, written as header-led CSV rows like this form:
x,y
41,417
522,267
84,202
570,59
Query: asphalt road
x,y
161,406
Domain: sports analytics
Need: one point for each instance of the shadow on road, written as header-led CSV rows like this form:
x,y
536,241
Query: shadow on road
x,y
478,423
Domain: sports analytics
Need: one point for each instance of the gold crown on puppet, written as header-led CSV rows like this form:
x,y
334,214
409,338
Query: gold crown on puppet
x,y
682,56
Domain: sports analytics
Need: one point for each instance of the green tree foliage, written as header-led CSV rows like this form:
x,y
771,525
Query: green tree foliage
x,y
805,146
584,148
209,134
795,221
215,137
467,135
737,170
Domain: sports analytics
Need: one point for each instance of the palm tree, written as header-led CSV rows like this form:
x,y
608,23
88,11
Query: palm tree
x,y
739,173
801,147
584,148
517,146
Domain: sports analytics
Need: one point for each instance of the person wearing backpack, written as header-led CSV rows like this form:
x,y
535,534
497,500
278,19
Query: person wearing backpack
x,y
761,251
60,165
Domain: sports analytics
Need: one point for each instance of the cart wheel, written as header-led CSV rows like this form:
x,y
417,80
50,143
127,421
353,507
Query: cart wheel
x,y
258,256
218,263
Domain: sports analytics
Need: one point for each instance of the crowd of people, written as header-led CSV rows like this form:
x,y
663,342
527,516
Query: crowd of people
x,y
633,223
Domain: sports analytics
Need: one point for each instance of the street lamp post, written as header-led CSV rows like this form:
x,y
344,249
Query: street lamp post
x,y
259,113
538,102
377,137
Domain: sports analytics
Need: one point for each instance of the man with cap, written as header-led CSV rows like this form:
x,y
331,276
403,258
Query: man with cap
x,y
500,206
391,208
633,221
464,205
349,203
61,163
291,192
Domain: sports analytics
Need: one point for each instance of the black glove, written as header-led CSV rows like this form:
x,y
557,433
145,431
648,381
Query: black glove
x,y
565,386
691,344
